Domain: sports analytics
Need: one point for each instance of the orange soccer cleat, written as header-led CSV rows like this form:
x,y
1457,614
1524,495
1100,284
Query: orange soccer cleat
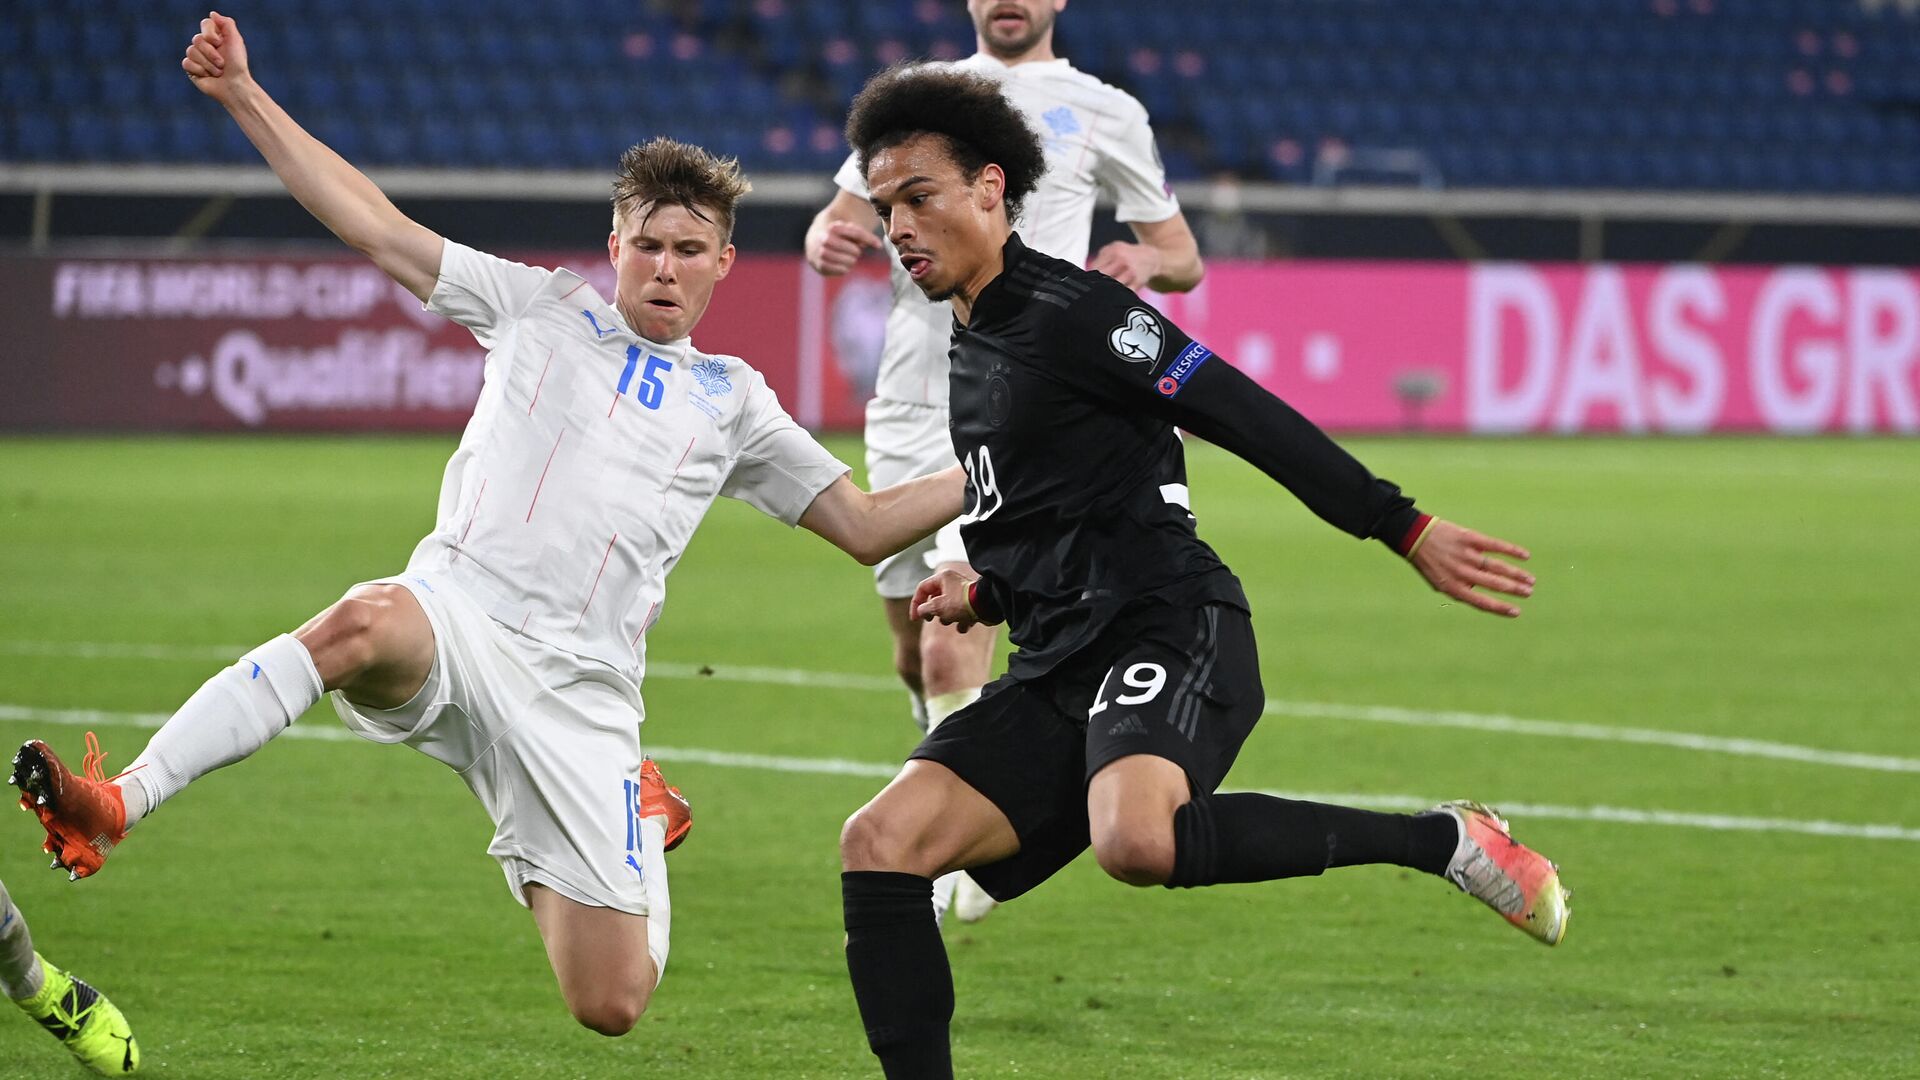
x,y
1506,875
661,799
84,815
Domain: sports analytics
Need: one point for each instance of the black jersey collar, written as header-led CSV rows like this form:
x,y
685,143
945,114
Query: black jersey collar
x,y
994,296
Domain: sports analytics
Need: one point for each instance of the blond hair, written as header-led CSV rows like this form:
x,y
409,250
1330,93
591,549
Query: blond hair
x,y
666,171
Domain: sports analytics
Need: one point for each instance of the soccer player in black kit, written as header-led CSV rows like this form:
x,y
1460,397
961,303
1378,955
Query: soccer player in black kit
x,y
1136,679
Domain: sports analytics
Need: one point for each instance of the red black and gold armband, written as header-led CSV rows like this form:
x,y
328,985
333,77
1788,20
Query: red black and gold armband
x,y
980,604
1416,535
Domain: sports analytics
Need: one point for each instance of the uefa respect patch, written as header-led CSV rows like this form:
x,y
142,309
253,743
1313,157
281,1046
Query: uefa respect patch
x,y
1182,369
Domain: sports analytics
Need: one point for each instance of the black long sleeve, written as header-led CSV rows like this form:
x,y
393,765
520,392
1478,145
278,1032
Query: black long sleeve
x,y
1186,384
1222,405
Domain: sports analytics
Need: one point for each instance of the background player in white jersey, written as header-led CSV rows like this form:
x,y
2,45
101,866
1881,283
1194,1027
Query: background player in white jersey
x,y
1096,138
512,647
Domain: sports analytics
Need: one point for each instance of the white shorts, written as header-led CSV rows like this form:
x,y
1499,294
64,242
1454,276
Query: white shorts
x,y
907,440
548,741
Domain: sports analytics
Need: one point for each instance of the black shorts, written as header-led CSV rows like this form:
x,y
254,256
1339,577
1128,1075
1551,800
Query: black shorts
x,y
1181,683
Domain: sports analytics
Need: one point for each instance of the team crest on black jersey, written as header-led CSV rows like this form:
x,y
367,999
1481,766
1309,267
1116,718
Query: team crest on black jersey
x,y
1138,339
999,396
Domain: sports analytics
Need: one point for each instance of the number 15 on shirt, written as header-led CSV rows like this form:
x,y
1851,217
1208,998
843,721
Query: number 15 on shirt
x,y
652,390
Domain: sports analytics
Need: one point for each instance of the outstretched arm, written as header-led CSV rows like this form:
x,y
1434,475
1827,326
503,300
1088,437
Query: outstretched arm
x,y
335,192
1225,407
1184,383
871,527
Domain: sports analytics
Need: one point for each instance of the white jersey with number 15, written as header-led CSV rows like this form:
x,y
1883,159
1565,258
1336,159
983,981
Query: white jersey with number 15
x,y
592,455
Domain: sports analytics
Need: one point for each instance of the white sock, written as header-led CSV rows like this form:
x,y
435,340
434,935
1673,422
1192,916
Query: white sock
x,y
943,887
941,706
232,715
918,705
653,859
20,974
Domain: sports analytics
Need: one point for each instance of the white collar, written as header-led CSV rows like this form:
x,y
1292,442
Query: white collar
x,y
1039,66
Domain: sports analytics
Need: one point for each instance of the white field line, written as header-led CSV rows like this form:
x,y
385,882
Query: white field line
x,y
1306,710
884,771
1560,729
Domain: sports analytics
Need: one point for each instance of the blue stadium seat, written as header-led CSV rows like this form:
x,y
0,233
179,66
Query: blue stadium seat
x,y
439,140
52,36
20,87
1763,94
88,136
446,48
488,142
389,143
535,143
167,87
35,136
188,137
340,132
72,86
319,91
135,137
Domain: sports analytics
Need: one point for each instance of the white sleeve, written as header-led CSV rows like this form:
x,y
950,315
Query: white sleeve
x,y
849,178
779,468
1129,168
483,292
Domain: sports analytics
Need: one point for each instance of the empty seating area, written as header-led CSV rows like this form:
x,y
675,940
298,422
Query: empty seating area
x,y
1752,95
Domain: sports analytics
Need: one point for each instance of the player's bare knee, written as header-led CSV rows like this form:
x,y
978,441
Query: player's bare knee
x,y
1135,857
950,660
869,841
860,842
612,1015
906,662
942,669
343,639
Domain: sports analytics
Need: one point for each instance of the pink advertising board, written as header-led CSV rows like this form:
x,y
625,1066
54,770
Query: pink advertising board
x,y
1509,348
303,343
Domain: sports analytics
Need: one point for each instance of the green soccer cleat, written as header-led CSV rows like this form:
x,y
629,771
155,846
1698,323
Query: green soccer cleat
x,y
1506,875
84,1021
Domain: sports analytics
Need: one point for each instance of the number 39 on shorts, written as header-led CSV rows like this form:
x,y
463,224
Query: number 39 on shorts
x,y
1145,679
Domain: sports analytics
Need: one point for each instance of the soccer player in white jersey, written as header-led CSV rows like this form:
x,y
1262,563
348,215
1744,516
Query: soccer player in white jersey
x,y
512,646
1096,138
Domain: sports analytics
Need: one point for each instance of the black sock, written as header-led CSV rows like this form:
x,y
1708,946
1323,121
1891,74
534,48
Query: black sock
x,y
900,974
1247,837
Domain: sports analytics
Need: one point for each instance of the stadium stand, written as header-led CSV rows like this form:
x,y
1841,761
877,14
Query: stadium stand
x,y
1818,96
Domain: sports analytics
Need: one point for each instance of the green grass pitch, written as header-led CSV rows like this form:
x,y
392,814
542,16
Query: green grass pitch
x,y
326,909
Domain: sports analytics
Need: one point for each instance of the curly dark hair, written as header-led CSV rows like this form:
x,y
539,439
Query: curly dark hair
x,y
977,121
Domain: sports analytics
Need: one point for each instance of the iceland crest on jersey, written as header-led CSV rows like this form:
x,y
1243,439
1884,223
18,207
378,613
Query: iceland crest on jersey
x,y
1060,123
713,377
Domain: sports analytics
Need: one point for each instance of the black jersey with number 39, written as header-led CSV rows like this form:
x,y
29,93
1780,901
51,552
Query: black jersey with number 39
x,y
1066,392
